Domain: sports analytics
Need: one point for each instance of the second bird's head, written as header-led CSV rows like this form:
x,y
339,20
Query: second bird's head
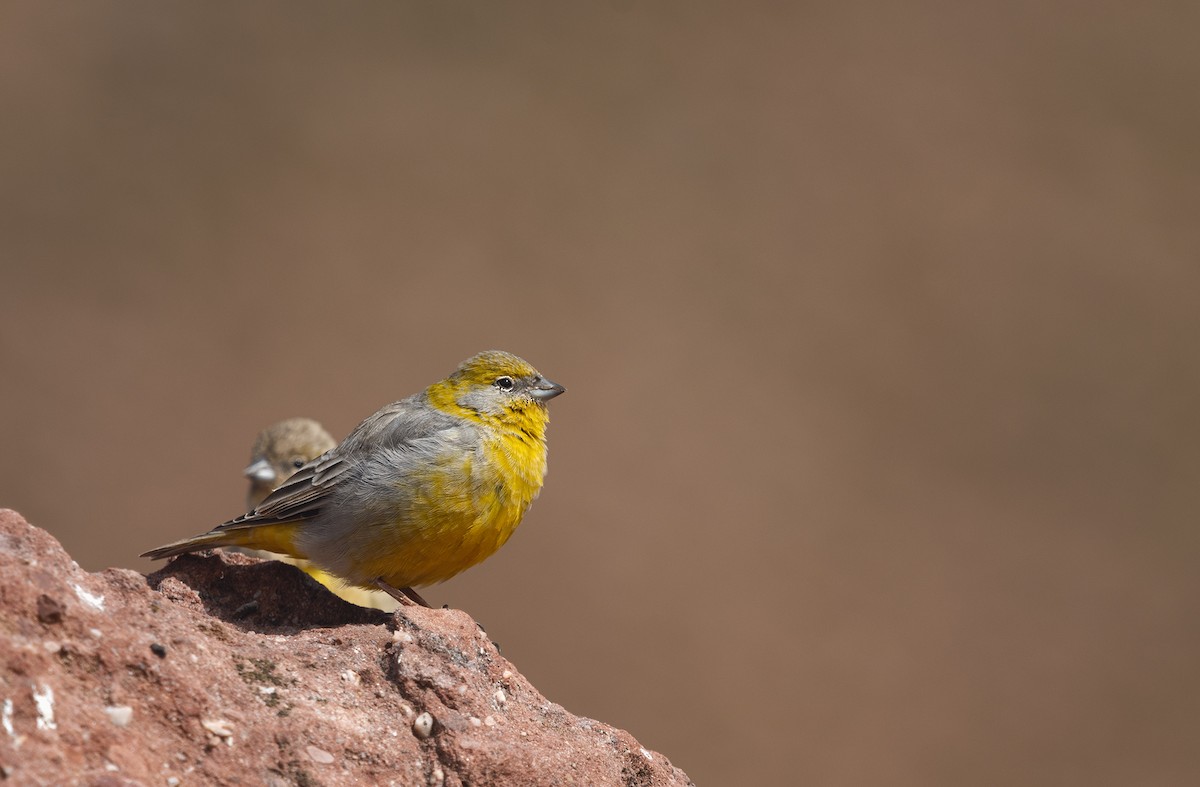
x,y
498,388
280,450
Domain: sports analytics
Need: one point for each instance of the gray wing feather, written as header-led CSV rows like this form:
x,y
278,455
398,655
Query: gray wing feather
x,y
302,496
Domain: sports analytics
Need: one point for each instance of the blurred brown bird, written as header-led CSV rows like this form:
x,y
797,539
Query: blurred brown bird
x,y
280,450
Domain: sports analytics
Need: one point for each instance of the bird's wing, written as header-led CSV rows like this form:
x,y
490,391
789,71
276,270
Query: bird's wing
x,y
302,496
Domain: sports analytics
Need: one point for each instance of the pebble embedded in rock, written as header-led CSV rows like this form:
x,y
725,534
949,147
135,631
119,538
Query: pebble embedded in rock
x,y
119,715
423,725
318,755
219,727
49,610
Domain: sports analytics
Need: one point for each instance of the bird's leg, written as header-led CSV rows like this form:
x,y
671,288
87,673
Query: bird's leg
x,y
406,596
415,596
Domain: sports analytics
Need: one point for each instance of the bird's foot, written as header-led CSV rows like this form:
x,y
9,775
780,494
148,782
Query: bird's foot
x,y
406,596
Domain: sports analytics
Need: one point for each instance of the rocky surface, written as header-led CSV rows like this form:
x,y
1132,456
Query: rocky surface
x,y
227,670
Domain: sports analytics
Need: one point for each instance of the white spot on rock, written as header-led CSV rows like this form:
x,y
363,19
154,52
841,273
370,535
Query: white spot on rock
x,y
44,700
219,727
90,599
119,715
6,717
647,754
318,755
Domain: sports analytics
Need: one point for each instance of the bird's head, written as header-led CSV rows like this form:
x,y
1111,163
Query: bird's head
x,y
498,388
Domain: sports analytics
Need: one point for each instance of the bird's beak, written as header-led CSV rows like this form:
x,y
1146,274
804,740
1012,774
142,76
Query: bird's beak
x,y
544,390
261,471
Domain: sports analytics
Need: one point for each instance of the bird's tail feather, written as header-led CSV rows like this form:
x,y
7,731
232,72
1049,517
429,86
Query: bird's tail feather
x,y
275,537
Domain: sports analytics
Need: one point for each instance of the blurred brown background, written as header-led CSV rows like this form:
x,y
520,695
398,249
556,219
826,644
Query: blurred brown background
x,y
879,461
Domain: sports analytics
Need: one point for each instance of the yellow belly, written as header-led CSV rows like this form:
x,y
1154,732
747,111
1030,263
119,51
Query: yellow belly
x,y
457,515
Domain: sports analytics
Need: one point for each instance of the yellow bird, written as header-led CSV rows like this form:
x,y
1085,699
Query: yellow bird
x,y
419,491
278,452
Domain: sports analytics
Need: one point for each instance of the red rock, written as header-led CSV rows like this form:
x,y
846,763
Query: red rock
x,y
238,670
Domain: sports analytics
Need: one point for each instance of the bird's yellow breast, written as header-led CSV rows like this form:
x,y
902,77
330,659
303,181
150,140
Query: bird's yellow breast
x,y
460,510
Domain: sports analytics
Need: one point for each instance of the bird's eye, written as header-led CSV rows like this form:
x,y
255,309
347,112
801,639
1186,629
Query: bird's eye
x,y
298,463
505,383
